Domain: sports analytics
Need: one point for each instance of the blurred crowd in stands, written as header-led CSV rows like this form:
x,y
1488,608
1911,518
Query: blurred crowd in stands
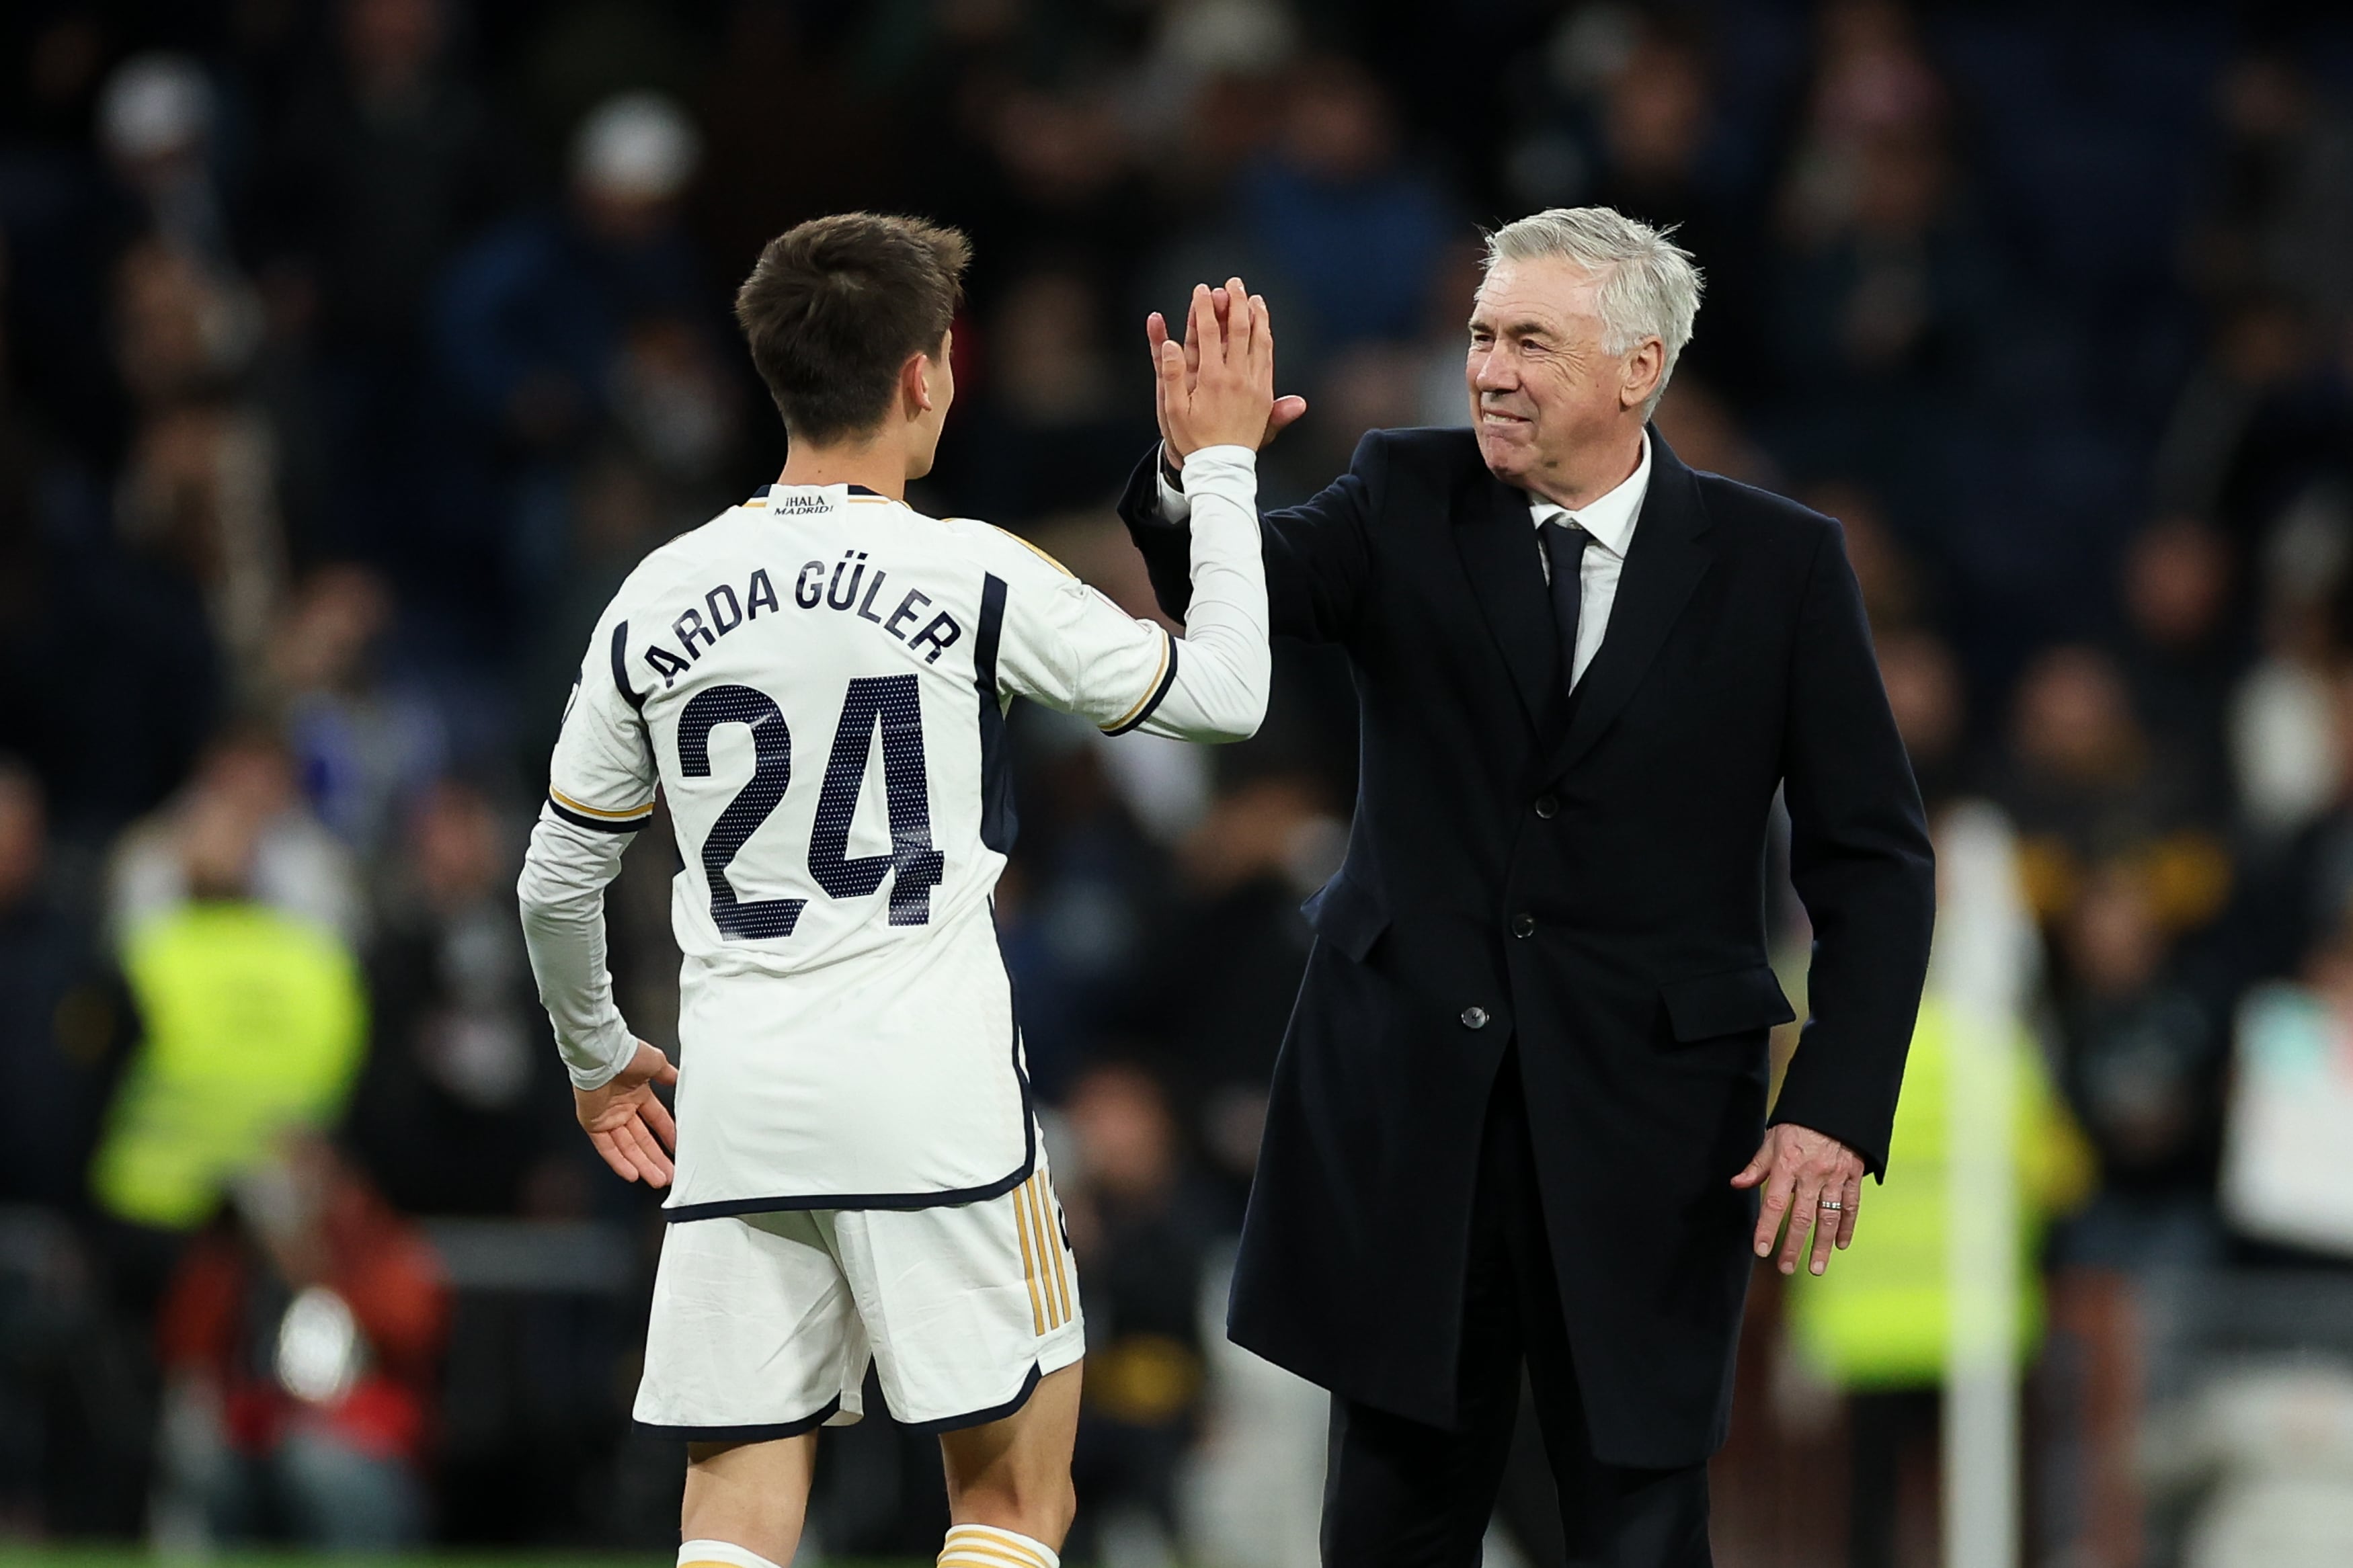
x,y
352,352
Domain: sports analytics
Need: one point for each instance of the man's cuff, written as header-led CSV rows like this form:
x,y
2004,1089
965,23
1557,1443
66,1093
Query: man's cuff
x,y
1174,505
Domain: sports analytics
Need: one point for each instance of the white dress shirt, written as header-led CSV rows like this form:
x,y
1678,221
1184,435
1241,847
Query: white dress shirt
x,y
1609,519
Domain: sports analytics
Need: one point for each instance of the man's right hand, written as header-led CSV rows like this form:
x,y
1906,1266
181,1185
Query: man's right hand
x,y
628,1123
1179,438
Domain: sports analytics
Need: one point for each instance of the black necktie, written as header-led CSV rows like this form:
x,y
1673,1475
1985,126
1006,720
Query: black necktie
x,y
1564,546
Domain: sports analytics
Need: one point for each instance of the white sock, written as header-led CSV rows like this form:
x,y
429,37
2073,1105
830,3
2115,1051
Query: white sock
x,y
985,1546
719,1554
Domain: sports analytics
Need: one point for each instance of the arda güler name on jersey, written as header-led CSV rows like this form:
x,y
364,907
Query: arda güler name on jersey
x,y
851,588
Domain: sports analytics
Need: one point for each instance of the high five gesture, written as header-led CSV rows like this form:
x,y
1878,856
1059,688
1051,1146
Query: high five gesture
x,y
1223,371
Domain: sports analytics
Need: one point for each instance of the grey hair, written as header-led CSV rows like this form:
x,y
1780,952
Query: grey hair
x,y
1648,285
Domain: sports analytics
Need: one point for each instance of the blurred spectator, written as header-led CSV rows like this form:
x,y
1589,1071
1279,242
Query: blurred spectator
x,y
620,509
1065,417
464,1097
2284,742
1895,594
553,323
2142,1061
2278,204
196,500
156,121
359,745
1931,706
1077,904
1265,845
1366,386
1706,434
389,158
199,499
297,865
2179,656
1872,80
252,1023
2296,905
2291,1106
1343,216
2086,785
1058,178
774,85
1203,87
392,157
1442,397
300,1342
1142,1231
2260,418
1886,298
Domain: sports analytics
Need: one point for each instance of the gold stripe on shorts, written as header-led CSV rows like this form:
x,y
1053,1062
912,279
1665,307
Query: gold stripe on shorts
x,y
1029,1193
1028,1264
1054,1242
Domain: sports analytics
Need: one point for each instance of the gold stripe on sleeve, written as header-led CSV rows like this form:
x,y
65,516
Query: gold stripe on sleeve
x,y
569,803
1025,545
1151,687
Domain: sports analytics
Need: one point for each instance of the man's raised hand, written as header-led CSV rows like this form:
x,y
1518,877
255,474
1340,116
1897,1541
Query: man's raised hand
x,y
1280,410
628,1123
1811,1180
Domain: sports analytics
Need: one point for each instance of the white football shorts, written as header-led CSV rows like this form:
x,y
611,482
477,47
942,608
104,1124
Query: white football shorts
x,y
764,1324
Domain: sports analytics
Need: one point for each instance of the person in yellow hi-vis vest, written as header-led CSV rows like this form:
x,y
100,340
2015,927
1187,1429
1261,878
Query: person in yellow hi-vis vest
x,y
1876,1326
254,1023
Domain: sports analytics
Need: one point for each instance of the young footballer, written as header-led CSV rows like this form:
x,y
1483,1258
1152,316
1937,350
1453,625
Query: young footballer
x,y
817,681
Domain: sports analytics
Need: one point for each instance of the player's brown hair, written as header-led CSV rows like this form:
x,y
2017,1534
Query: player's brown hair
x,y
837,304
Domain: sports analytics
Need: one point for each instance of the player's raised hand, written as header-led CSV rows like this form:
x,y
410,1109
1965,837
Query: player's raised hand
x,y
1228,399
1282,410
626,1122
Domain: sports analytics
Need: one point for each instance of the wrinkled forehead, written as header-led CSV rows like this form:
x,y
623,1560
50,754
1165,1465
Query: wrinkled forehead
x,y
1555,295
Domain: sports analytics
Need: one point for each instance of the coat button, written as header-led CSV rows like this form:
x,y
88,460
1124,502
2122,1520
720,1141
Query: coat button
x,y
1547,806
1475,1017
1524,925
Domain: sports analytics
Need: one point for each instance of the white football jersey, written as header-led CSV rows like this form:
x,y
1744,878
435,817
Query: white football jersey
x,y
817,681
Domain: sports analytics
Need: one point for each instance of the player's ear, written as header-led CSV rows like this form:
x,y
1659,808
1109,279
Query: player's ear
x,y
928,380
915,384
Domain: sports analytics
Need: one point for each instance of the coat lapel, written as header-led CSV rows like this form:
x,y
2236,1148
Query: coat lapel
x,y
1497,540
1663,565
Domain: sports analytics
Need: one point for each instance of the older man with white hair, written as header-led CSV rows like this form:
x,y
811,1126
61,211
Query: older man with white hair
x,y
1520,1116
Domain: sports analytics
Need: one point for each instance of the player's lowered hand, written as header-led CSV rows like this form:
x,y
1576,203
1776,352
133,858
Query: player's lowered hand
x,y
1812,1180
627,1122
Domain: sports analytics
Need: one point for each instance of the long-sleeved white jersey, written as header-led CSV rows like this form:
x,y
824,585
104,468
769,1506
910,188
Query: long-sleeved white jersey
x,y
817,681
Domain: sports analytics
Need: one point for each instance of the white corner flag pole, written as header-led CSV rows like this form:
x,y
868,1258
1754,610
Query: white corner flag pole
x,y
1983,962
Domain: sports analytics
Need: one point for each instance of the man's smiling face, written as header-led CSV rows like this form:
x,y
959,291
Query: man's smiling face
x,y
1541,386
